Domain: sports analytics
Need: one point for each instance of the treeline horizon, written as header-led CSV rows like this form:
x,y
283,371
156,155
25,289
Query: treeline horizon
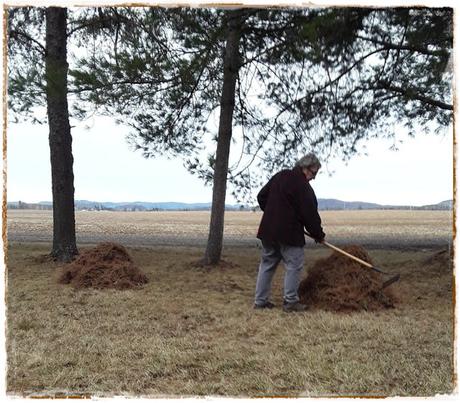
x,y
324,205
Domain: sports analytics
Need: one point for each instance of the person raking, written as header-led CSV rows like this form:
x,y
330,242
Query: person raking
x,y
289,206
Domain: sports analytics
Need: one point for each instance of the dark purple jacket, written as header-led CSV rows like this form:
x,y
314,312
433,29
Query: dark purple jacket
x,y
289,205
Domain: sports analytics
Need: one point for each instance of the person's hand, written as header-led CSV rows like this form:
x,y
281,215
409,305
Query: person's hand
x,y
320,239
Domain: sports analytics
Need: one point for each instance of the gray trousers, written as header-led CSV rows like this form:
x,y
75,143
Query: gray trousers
x,y
292,257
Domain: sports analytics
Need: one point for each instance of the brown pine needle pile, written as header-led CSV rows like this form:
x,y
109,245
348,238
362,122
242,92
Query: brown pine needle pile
x,y
338,283
108,265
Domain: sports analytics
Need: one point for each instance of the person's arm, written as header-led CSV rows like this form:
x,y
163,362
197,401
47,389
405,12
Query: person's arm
x,y
262,197
309,214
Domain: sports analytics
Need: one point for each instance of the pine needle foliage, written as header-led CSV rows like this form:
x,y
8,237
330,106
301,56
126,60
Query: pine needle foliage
x,y
308,79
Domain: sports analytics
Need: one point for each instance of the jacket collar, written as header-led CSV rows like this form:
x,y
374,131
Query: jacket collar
x,y
298,171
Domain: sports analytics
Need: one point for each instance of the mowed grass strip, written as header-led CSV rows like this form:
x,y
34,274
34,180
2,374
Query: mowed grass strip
x,y
193,331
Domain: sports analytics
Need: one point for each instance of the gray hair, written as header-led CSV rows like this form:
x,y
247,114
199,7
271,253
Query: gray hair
x,y
310,160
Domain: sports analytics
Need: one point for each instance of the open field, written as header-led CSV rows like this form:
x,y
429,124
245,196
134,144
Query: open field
x,y
380,228
192,331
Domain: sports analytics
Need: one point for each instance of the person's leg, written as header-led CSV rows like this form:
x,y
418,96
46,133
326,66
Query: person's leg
x,y
293,259
270,259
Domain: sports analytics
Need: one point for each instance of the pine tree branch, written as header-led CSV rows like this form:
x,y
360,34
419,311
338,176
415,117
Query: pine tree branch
x,y
113,84
330,83
13,34
85,25
395,46
102,20
414,94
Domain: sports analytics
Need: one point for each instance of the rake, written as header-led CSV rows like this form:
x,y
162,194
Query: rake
x,y
394,276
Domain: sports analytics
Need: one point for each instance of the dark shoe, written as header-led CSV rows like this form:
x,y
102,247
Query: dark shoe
x,y
294,307
266,305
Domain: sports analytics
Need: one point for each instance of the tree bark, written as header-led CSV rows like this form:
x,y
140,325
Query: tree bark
x,y
60,139
232,64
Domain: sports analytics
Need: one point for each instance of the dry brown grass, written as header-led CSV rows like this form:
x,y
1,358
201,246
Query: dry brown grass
x,y
372,224
193,331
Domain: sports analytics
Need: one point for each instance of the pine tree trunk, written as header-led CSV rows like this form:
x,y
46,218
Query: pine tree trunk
x,y
231,67
60,139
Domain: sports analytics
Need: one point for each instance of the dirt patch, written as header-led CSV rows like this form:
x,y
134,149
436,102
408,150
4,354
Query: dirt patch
x,y
108,265
337,283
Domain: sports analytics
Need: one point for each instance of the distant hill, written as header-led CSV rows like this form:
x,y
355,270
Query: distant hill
x,y
444,205
323,204
334,204
123,206
140,206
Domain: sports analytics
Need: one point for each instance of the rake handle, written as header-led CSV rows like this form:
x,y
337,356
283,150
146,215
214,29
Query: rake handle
x,y
363,262
357,259
393,279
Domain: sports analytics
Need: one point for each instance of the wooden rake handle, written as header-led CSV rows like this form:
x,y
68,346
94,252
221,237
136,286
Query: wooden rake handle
x,y
393,279
357,259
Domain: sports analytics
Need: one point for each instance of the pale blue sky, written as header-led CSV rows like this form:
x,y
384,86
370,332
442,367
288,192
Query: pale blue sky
x,y
106,169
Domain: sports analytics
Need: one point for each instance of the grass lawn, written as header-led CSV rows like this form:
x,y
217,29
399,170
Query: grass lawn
x,y
193,331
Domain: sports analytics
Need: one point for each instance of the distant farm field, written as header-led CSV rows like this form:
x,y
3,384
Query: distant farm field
x,y
379,228
191,331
